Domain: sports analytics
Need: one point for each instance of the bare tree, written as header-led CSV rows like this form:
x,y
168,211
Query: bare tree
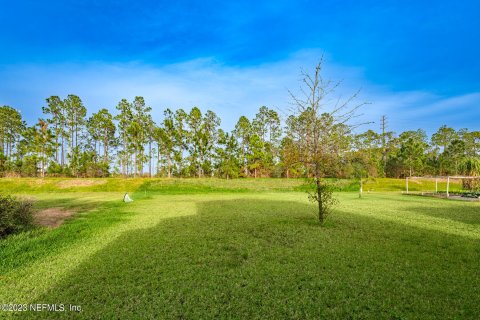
x,y
320,126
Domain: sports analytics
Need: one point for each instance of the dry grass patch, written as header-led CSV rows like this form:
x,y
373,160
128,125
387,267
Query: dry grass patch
x,y
52,217
65,184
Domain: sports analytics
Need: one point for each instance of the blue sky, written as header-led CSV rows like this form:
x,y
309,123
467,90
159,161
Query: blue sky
x,y
416,61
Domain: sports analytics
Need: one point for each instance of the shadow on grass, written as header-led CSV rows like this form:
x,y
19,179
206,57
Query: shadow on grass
x,y
468,213
268,259
21,250
438,215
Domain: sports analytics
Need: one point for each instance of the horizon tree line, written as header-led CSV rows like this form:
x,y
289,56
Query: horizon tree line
x,y
191,143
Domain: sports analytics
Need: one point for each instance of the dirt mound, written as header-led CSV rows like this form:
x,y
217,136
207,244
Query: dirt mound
x,y
79,183
52,217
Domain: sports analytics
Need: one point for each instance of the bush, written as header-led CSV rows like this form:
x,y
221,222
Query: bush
x,y
321,192
30,166
54,169
15,215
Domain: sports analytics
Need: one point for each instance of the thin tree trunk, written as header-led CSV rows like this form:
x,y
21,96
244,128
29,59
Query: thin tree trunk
x,y
135,164
150,165
321,213
125,164
71,144
245,162
63,151
2,148
321,216
169,159
42,173
158,159
95,149
56,145
76,136
105,150
140,158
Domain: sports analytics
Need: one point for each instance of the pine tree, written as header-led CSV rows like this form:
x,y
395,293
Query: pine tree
x,y
242,132
75,119
124,117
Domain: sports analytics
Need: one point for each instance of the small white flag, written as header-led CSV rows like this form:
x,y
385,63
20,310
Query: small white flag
x,y
126,198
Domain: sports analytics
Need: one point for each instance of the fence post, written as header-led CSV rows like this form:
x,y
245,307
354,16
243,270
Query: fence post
x,y
361,188
407,184
448,186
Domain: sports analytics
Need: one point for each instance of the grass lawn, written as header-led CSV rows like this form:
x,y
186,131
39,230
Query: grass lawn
x,y
201,250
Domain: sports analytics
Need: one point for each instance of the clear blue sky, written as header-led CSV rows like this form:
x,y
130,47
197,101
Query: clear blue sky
x,y
416,61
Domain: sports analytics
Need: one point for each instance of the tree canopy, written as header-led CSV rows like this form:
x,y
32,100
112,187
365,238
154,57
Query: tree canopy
x,y
69,141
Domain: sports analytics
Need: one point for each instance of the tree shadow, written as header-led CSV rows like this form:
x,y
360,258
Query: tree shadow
x,y
468,213
250,258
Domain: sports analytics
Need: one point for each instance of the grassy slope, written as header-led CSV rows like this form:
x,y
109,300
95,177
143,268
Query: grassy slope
x,y
192,185
248,255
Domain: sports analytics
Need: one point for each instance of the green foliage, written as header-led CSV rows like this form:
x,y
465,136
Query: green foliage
x,y
321,193
15,215
102,131
367,159
257,156
321,135
453,156
55,169
165,135
89,166
30,165
57,111
412,150
228,164
471,167
11,128
242,133
188,144
472,142
443,137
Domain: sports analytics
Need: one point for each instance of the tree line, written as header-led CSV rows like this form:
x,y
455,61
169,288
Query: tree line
x,y
191,143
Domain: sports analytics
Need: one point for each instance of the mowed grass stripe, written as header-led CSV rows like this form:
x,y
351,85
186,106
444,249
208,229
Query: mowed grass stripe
x,y
27,281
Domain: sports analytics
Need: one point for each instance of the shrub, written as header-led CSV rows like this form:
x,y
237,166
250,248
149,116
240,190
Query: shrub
x,y
15,215
321,192
54,169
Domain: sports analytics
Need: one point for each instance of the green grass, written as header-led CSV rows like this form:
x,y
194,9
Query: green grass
x,y
39,185
193,185
234,249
